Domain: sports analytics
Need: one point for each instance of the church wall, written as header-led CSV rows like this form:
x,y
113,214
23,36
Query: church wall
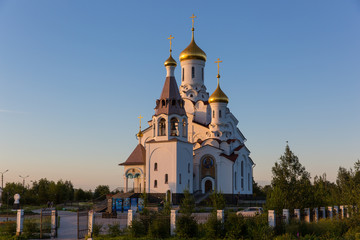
x,y
224,175
164,155
184,167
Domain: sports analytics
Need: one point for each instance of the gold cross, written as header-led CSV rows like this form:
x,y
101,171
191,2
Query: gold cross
x,y
192,18
170,38
140,117
218,63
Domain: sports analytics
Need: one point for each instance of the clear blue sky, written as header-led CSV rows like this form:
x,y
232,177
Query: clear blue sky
x,y
74,76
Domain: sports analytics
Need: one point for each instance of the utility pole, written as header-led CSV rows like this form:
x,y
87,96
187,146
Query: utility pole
x,y
24,179
2,178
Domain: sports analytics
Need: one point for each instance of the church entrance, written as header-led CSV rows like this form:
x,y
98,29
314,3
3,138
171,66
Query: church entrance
x,y
208,186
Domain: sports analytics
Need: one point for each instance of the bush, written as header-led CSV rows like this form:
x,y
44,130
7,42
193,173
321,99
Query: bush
x,y
97,229
214,228
137,229
235,227
31,228
160,227
186,227
8,228
114,230
258,228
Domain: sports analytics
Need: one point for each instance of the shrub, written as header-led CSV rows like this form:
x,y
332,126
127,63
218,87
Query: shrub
x,y
160,227
114,230
31,228
214,228
186,227
97,229
137,229
258,227
235,227
8,228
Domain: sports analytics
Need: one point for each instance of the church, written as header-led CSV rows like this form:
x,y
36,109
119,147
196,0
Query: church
x,y
192,141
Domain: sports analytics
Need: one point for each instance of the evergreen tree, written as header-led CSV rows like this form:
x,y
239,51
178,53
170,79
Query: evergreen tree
x,y
291,186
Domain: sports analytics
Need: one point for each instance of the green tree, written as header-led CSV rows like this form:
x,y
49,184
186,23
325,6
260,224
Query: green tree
x,y
291,184
101,191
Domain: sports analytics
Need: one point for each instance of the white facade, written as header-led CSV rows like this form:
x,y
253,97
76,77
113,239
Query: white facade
x,y
191,143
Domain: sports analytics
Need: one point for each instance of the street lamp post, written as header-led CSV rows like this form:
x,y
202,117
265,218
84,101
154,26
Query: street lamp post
x,y
2,178
24,179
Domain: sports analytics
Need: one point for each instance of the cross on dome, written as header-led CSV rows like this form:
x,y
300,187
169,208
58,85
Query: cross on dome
x,y
192,18
140,134
218,65
170,38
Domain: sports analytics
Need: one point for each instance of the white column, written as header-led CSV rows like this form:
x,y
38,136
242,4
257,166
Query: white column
x,y
316,214
347,211
330,209
336,212
286,215
307,215
130,217
53,223
323,211
220,215
19,221
90,224
173,216
342,209
271,218
297,214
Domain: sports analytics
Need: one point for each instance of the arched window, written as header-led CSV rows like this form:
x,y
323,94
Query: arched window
x,y
183,73
184,128
213,113
174,127
188,186
173,102
179,178
202,70
242,168
249,181
219,113
188,167
163,103
162,127
155,167
242,184
192,72
166,178
155,183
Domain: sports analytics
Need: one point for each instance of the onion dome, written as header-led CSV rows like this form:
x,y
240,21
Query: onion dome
x,y
170,62
218,95
193,51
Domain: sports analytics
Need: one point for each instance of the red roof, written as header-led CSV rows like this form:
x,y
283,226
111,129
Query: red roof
x,y
137,157
231,157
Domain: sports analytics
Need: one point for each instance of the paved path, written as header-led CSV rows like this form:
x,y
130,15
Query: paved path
x,y
68,225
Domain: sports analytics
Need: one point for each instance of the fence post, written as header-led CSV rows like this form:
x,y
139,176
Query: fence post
x,y
347,211
316,214
53,223
90,224
307,215
342,211
323,210
272,218
297,214
220,215
19,221
336,212
330,209
286,215
130,217
173,216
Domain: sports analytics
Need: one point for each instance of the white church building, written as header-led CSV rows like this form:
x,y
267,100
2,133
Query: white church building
x,y
192,141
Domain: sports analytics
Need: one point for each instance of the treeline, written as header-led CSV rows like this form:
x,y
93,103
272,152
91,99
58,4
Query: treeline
x,y
291,186
44,191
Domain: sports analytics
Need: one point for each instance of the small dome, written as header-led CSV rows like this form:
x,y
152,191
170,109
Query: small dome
x,y
193,51
170,62
218,96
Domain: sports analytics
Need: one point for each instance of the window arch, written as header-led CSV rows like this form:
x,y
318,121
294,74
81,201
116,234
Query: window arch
x,y
184,128
163,103
202,70
162,127
188,167
183,73
213,113
155,183
174,127
219,113
166,178
192,72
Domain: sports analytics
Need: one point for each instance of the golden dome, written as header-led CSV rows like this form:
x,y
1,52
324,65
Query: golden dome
x,y
193,51
218,95
170,61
